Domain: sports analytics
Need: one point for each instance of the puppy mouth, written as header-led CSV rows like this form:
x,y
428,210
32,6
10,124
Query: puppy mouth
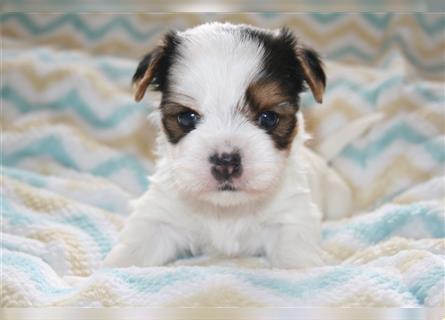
x,y
227,187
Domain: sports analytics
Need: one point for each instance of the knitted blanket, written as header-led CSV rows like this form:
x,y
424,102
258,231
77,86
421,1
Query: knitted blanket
x,y
76,149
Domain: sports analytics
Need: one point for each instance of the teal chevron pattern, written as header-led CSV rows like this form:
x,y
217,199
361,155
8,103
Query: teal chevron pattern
x,y
115,69
80,26
398,132
428,25
54,147
76,149
72,100
431,24
392,223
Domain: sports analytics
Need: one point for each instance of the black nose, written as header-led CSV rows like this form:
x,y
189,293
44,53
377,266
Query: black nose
x,y
226,166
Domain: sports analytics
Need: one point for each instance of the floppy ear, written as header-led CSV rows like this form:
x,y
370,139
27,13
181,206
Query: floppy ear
x,y
152,69
313,71
146,71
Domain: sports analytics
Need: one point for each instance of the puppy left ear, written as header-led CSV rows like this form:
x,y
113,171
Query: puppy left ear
x,y
313,71
153,67
146,71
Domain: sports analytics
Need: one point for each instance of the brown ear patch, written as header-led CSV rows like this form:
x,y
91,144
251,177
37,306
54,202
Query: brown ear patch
x,y
313,72
153,68
142,84
269,96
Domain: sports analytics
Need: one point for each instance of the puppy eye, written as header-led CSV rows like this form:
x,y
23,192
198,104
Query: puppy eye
x,y
188,119
268,120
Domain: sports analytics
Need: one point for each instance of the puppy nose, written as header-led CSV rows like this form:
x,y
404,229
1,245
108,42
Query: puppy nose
x,y
226,166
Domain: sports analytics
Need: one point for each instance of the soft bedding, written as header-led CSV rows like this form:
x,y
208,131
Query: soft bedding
x,y
76,149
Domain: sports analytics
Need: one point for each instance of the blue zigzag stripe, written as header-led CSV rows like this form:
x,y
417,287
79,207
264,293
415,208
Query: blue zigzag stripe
x,y
370,93
28,177
29,266
81,221
436,26
377,20
420,288
399,131
396,40
53,146
86,224
78,24
381,21
392,222
41,181
106,65
72,100
47,146
153,284
329,280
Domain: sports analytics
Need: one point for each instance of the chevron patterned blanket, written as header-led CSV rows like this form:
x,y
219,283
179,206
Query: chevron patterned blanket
x,y
76,149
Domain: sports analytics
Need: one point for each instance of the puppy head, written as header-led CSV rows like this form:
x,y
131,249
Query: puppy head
x,y
230,95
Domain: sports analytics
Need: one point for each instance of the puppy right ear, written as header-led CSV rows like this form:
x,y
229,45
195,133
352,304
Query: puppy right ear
x,y
145,72
153,66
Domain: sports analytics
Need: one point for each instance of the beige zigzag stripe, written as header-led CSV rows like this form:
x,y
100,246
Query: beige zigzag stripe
x,y
97,292
76,256
88,142
216,296
69,41
47,205
410,198
324,35
169,20
400,166
10,296
390,248
41,82
32,198
321,38
365,297
340,250
317,116
48,202
141,140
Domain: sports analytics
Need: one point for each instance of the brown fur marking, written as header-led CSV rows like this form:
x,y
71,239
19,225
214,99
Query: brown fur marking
x,y
269,96
170,112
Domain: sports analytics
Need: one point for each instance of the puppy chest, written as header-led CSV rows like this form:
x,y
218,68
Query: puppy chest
x,y
231,238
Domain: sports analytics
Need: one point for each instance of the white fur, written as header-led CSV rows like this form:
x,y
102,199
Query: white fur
x,y
277,210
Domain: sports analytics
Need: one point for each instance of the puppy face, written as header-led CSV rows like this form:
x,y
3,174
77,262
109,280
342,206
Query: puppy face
x,y
229,103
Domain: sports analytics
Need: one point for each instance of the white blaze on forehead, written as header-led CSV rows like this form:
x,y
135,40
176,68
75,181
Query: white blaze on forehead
x,y
215,66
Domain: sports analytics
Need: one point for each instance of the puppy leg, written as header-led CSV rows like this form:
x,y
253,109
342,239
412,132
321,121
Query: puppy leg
x,y
292,248
145,242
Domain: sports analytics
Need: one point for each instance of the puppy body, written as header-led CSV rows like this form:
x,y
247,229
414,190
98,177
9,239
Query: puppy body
x,y
284,226
233,176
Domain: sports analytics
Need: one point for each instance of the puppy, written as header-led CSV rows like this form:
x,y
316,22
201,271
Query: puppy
x,y
233,176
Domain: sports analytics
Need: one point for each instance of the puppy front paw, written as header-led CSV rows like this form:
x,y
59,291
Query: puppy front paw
x,y
144,244
122,256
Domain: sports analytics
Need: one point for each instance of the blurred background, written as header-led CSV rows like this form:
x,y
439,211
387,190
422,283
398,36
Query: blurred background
x,y
66,82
